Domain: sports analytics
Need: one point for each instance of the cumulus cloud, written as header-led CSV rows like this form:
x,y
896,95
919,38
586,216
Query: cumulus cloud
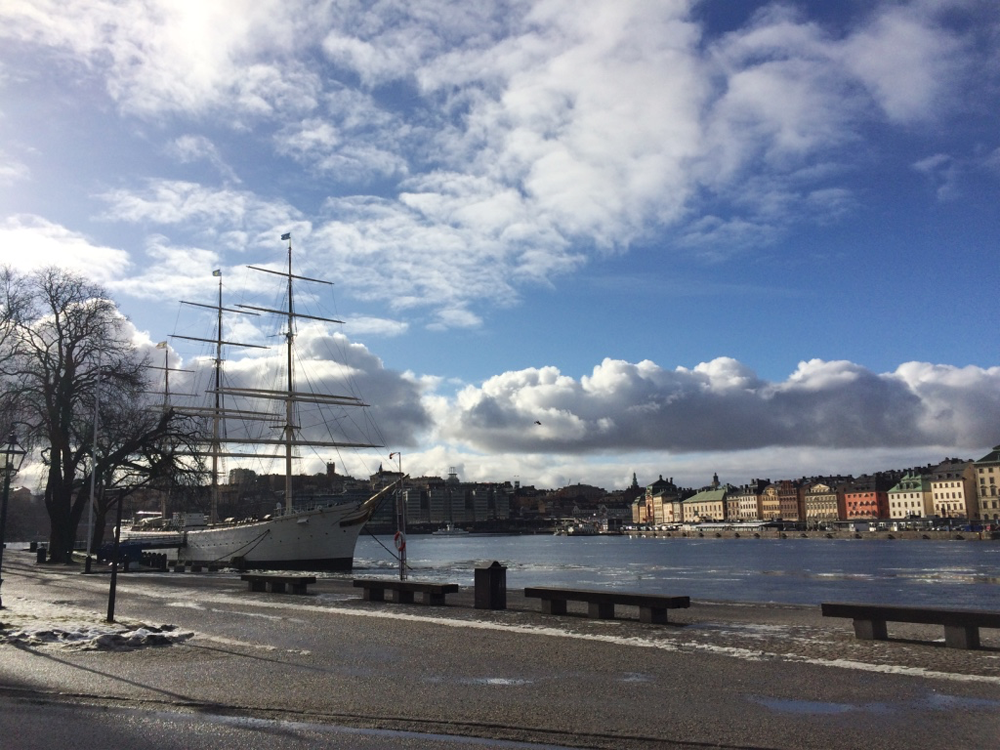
x,y
327,363
723,406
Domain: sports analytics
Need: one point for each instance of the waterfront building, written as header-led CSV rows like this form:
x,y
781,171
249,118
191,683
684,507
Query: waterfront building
x,y
660,504
743,502
987,480
706,506
867,497
435,501
823,501
790,501
639,511
911,496
953,486
770,503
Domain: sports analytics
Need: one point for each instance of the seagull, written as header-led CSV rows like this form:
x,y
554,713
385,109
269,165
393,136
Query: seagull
x,y
538,423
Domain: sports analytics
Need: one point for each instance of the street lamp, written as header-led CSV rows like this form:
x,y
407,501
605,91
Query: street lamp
x,y
400,518
10,463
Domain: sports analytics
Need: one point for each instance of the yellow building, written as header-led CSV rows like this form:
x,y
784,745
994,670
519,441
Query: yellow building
x,y
706,506
770,503
822,502
987,481
953,489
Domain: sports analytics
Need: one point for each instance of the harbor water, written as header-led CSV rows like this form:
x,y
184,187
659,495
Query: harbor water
x,y
786,571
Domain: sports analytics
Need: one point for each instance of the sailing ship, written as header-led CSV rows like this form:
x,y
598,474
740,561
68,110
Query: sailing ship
x,y
297,535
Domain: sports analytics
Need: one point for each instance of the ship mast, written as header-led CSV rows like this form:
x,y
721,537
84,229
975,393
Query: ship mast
x,y
289,400
291,397
167,369
217,411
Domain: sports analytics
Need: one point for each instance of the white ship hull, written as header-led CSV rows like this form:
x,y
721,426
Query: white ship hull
x,y
319,539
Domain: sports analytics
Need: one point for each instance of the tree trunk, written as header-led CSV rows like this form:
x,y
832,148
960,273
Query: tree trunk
x,y
61,533
59,503
100,519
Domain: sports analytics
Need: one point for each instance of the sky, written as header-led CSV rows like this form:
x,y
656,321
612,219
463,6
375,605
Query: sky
x,y
571,240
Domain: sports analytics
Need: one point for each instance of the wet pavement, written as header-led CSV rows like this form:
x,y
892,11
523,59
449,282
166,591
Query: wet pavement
x,y
327,668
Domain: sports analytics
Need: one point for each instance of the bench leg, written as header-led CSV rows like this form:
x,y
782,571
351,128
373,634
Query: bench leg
x,y
403,597
373,594
654,615
601,610
554,606
433,600
871,630
961,636
299,588
276,587
257,586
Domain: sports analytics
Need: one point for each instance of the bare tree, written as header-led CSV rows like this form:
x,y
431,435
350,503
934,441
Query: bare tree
x,y
140,448
62,339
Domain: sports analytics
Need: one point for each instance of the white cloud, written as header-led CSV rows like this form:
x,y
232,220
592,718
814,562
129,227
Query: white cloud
x,y
33,243
193,148
516,130
326,362
360,326
11,170
355,142
723,406
172,55
239,217
907,59
170,272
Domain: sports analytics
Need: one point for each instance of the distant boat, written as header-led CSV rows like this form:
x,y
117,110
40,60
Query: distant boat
x,y
583,528
318,535
449,530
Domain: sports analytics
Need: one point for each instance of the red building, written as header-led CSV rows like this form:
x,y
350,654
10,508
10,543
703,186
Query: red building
x,y
790,498
867,497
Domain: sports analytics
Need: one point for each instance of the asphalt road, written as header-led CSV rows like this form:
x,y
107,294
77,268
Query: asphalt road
x,y
331,670
32,724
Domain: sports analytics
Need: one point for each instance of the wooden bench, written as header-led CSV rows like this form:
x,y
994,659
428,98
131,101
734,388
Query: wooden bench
x,y
403,591
276,583
601,604
961,626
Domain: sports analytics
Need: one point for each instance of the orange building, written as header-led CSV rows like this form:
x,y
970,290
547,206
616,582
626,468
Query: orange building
x,y
867,497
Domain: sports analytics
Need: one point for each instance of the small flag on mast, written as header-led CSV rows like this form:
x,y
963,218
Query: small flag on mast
x,y
286,236
162,345
217,272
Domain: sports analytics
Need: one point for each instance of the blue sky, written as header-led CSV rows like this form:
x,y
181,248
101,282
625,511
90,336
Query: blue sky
x,y
753,238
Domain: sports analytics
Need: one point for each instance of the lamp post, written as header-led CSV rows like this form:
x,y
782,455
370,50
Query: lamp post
x,y
400,518
10,463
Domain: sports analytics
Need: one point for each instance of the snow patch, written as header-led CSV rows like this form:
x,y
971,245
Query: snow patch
x,y
53,624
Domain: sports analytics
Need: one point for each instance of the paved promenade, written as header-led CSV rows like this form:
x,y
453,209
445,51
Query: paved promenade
x,y
720,675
